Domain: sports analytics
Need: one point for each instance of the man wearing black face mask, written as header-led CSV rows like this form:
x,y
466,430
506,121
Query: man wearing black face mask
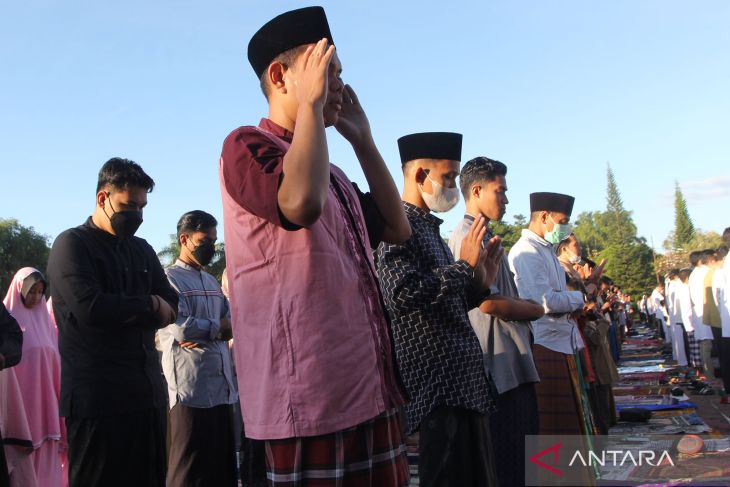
x,y
197,364
110,295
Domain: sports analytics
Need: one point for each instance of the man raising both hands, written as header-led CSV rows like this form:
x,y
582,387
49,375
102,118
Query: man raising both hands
x,y
317,379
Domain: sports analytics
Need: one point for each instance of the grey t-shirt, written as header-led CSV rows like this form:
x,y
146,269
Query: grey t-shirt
x,y
506,344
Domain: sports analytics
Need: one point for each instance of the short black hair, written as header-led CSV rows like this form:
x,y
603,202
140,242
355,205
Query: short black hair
x,y
478,170
707,256
563,244
672,273
726,236
195,221
122,174
721,252
287,58
694,258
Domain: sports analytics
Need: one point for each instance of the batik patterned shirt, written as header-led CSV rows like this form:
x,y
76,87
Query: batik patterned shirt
x,y
428,296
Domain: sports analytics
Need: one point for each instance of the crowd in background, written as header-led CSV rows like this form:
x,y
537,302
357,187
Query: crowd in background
x,y
689,305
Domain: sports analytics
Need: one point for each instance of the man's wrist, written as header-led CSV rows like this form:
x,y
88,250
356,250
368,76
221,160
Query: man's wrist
x,y
364,145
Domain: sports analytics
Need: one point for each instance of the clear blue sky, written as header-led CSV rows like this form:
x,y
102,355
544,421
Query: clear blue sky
x,y
555,89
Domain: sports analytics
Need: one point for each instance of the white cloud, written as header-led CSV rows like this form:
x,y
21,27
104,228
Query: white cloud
x,y
709,189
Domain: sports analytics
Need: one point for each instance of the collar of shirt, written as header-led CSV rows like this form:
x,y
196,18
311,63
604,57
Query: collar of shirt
x,y
488,235
269,126
180,263
529,234
103,233
421,214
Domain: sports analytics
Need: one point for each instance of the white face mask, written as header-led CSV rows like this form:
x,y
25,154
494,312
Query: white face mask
x,y
573,258
443,199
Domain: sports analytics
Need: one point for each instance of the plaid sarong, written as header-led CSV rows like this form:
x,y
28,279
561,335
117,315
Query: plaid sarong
x,y
557,400
369,454
694,350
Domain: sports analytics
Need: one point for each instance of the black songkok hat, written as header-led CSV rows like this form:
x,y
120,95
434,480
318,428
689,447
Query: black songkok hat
x,y
287,31
430,145
561,203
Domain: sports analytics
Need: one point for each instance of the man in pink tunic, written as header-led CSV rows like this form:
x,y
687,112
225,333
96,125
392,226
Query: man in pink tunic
x,y
313,348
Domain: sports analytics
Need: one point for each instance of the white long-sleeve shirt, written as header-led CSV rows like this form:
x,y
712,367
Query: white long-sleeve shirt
x,y
697,293
684,306
656,299
540,277
671,302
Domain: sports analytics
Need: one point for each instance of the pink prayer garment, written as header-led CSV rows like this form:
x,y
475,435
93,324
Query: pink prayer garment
x,y
34,388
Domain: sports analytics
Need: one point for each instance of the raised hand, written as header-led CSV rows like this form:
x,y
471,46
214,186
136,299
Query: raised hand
x,y
352,123
471,246
311,84
485,273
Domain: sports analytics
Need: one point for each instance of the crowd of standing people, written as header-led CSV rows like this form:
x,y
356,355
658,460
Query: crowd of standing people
x,y
345,322
690,307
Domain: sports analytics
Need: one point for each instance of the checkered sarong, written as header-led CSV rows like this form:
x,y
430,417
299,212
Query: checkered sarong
x,y
695,359
369,454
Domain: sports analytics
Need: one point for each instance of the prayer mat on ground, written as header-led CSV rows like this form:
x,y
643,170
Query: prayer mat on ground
x,y
641,390
659,407
640,370
688,423
704,469
640,401
644,376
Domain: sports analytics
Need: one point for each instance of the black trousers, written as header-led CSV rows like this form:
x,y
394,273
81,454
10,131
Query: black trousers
x,y
455,449
121,450
606,409
716,345
725,362
202,447
252,461
4,478
516,417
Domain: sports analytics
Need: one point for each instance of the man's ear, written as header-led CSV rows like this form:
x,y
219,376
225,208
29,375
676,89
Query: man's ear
x,y
475,191
183,240
101,198
275,75
420,175
544,216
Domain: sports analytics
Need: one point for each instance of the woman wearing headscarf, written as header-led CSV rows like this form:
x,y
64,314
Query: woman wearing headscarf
x,y
38,377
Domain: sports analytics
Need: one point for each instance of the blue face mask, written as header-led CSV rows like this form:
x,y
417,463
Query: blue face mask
x,y
560,232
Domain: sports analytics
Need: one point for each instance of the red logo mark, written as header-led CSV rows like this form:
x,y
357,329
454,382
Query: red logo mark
x,y
555,450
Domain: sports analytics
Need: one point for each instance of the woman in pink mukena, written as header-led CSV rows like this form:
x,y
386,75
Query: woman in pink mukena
x,y
37,457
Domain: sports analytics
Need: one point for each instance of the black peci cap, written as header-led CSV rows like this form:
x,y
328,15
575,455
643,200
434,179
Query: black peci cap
x,y
561,203
287,31
430,145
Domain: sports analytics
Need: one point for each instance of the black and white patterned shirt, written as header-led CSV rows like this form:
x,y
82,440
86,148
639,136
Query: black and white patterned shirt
x,y
428,296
